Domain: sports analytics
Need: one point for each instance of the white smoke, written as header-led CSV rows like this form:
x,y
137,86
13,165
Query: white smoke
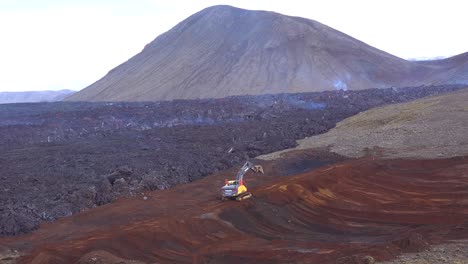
x,y
340,85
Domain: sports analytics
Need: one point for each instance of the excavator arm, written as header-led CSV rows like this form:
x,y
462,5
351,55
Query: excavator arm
x,y
248,166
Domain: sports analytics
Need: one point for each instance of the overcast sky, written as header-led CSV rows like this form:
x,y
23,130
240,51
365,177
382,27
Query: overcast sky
x,y
69,44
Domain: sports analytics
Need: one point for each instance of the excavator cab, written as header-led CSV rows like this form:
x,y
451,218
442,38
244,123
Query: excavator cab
x,y
236,189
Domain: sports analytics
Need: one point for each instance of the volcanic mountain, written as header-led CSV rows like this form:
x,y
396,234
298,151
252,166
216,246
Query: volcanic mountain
x,y
223,51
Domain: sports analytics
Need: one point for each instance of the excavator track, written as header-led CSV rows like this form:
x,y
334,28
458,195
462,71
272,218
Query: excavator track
x,y
243,196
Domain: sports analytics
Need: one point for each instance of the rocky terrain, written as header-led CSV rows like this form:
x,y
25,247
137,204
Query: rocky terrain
x,y
34,96
223,51
435,127
58,159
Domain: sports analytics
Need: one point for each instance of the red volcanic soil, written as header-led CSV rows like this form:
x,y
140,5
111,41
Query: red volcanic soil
x,y
335,214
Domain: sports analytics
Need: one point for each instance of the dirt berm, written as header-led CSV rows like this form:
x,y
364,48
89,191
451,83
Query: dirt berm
x,y
344,213
434,127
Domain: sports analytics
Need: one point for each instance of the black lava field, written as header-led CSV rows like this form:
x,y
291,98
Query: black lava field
x,y
61,158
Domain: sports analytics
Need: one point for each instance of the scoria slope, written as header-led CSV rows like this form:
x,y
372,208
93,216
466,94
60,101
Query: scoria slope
x,y
223,51
434,127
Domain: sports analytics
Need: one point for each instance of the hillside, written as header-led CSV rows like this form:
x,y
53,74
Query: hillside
x,y
434,127
33,96
223,51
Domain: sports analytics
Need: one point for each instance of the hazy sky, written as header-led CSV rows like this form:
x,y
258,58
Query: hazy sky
x,y
69,44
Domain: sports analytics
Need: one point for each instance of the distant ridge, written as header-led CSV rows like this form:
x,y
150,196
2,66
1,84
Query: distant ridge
x,y
33,96
223,51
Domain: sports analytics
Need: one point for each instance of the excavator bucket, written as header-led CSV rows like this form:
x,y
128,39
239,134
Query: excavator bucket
x,y
257,169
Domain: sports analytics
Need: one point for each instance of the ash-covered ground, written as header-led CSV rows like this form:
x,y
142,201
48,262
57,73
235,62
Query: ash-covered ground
x,y
61,158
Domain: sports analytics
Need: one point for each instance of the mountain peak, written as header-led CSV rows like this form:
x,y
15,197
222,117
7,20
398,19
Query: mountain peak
x,y
224,50
218,8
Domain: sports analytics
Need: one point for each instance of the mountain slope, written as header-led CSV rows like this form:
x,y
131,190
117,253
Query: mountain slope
x,y
222,51
435,127
450,70
33,96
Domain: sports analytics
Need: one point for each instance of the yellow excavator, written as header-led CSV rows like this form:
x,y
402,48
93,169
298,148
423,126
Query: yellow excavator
x,y
235,189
